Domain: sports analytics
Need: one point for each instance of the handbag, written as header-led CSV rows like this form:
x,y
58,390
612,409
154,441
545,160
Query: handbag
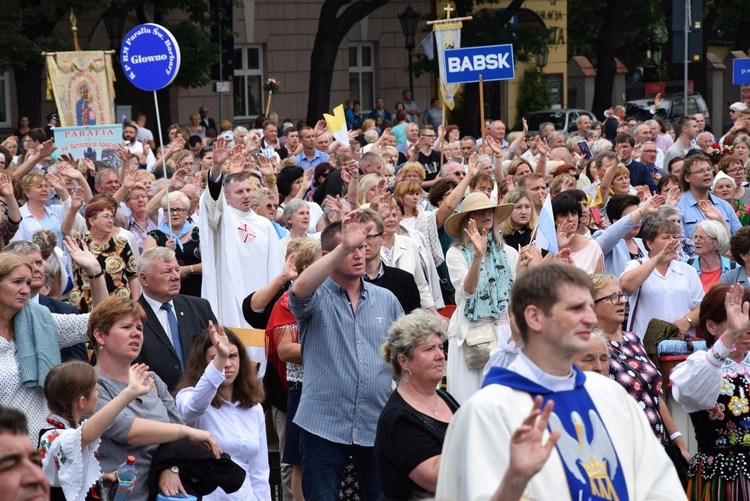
x,y
479,342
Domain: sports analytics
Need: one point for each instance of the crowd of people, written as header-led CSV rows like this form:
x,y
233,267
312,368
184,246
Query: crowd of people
x,y
420,338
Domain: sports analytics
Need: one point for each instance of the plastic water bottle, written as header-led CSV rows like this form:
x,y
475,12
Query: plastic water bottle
x,y
125,477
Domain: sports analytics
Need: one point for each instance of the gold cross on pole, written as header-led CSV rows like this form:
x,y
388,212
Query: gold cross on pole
x,y
448,9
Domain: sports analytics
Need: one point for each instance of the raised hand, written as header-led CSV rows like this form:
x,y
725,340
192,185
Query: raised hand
x,y
527,453
673,196
221,151
70,171
56,182
178,144
219,339
566,232
525,126
123,153
46,148
266,167
478,240
131,177
140,380
563,256
737,315
540,145
354,231
6,187
81,256
669,252
510,182
710,210
76,201
89,165
472,168
653,204
289,271
494,145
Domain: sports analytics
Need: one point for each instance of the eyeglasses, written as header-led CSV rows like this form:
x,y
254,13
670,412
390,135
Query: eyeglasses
x,y
700,171
431,136
648,151
701,238
374,236
106,217
270,206
616,298
177,210
139,197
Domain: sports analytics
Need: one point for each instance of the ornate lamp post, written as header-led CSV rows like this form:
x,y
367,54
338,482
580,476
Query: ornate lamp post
x,y
114,23
409,20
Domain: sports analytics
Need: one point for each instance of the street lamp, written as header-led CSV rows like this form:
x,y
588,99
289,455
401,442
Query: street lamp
x,y
541,58
409,20
114,23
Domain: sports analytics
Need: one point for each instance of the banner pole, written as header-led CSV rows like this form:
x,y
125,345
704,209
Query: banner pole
x,y
442,139
168,215
481,109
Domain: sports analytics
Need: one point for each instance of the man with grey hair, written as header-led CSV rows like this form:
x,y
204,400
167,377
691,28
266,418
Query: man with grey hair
x,y
173,321
703,140
583,124
452,170
556,140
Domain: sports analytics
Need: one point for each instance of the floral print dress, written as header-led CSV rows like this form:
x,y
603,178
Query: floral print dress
x,y
628,358
118,264
742,210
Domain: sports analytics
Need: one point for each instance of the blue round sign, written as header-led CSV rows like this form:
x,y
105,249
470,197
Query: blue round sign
x,y
150,57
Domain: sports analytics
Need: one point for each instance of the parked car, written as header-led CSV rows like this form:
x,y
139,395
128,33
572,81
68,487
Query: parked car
x,y
564,119
672,107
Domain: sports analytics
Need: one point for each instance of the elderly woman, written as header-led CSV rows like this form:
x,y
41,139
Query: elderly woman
x,y
297,217
412,425
741,148
31,336
139,222
482,269
112,251
184,238
661,286
221,393
712,387
596,358
629,363
711,240
53,255
732,167
116,335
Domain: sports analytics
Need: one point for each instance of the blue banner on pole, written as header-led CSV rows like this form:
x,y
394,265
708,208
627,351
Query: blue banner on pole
x,y
150,57
492,62
741,72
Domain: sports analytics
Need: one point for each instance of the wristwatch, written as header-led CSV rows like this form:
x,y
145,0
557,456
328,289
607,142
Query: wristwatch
x,y
175,470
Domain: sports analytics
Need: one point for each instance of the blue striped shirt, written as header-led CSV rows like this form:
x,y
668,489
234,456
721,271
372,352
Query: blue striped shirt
x,y
346,382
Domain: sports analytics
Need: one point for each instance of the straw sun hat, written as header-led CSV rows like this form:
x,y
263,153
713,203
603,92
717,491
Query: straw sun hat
x,y
475,201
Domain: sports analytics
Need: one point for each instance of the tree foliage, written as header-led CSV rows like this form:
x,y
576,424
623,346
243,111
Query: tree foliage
x,y
534,93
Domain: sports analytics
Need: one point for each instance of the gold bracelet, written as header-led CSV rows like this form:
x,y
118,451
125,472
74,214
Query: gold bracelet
x,y
271,181
192,271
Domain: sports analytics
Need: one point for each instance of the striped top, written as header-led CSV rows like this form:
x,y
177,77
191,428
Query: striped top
x,y
346,382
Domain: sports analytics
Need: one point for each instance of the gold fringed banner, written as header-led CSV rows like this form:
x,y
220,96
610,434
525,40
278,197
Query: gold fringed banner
x,y
83,87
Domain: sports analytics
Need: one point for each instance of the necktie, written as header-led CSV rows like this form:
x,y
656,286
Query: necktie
x,y
175,331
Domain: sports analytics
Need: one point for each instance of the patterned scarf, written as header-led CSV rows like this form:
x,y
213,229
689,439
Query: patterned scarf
x,y
491,296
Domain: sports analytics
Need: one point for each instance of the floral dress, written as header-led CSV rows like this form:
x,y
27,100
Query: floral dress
x,y
742,210
630,366
67,465
118,264
721,469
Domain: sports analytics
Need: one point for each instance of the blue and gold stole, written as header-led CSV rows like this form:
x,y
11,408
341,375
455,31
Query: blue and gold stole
x,y
588,455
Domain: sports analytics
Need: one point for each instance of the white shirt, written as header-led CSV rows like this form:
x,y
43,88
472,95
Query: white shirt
x,y
668,297
240,431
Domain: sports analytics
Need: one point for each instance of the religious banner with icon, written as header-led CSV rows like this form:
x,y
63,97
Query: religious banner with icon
x,y
447,36
83,85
